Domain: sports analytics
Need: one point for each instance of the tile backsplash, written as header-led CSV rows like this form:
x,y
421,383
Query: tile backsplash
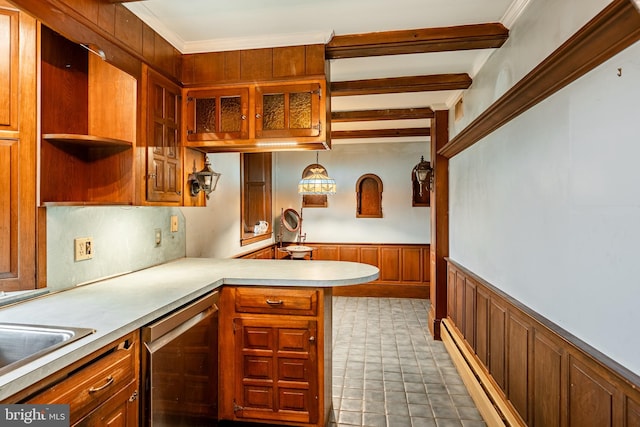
x,y
124,240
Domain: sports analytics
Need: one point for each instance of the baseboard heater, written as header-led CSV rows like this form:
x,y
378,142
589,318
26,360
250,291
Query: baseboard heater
x,y
494,408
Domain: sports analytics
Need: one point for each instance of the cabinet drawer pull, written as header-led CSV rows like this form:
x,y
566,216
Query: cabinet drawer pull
x,y
102,387
274,302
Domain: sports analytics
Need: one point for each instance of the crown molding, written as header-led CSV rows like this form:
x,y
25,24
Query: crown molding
x,y
513,12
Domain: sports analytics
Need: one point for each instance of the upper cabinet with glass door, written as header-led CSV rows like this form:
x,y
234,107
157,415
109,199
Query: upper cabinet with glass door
x,y
217,114
258,117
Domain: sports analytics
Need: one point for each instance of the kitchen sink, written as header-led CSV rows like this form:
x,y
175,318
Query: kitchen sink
x,y
21,344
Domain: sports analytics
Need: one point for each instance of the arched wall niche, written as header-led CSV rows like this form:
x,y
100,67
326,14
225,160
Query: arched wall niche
x,y
369,196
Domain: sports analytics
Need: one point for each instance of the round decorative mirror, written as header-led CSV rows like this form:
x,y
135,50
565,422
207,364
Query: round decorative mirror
x,y
291,220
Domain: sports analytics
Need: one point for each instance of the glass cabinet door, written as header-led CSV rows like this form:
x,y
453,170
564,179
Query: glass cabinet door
x,y
288,110
217,114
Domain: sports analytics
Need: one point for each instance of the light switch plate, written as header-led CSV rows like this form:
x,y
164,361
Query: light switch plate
x,y
174,223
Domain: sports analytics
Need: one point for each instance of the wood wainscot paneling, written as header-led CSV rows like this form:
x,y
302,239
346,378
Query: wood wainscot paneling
x,y
522,369
404,268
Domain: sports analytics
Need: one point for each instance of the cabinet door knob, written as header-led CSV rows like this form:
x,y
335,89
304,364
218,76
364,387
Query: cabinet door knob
x,y
258,116
243,117
312,338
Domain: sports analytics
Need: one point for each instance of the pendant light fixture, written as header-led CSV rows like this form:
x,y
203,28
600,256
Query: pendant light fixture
x,y
317,182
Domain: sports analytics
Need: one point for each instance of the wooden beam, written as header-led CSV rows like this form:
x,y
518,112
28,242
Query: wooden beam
x,y
608,33
439,217
389,114
401,84
380,133
464,37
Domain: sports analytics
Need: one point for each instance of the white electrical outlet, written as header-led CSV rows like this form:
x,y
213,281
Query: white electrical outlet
x,y
174,223
83,248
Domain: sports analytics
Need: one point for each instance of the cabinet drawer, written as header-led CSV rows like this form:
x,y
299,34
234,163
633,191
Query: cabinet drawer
x,y
93,384
303,302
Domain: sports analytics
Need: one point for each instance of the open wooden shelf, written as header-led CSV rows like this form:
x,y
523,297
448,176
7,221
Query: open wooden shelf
x,y
86,140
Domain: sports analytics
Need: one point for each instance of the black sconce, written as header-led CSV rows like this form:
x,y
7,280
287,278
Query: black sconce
x,y
206,180
424,174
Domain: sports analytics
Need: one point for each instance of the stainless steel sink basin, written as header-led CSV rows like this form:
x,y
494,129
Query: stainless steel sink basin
x,y
21,344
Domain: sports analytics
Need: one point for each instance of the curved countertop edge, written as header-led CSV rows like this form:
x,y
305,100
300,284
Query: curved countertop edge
x,y
117,306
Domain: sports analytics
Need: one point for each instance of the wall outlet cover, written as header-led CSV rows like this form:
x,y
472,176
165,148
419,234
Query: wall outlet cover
x,y
83,248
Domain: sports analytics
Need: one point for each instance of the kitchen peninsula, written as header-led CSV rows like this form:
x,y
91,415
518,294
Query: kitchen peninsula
x,y
120,306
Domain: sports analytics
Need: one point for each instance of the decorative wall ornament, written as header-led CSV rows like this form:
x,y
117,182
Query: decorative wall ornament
x,y
369,196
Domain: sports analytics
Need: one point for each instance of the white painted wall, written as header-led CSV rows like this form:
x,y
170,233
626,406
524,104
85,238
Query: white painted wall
x,y
547,208
392,163
214,231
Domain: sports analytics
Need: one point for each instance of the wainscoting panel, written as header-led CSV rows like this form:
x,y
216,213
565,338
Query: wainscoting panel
x,y
404,268
547,384
534,372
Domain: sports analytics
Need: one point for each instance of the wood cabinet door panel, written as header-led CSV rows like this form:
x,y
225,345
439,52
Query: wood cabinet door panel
x,y
164,159
8,209
288,110
276,379
9,58
217,114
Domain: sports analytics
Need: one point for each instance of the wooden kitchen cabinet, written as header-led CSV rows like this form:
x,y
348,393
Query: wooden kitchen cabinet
x,y
88,124
18,149
257,117
9,62
163,158
101,389
217,114
277,355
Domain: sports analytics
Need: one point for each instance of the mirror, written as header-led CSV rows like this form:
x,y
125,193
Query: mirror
x,y
291,220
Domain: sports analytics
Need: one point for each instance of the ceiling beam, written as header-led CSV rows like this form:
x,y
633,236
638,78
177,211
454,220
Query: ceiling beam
x,y
389,114
463,37
380,133
401,84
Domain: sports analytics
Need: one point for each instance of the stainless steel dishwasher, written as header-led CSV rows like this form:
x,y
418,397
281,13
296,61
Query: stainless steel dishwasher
x,y
180,366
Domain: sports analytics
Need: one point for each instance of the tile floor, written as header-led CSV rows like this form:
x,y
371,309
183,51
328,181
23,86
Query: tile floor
x,y
388,370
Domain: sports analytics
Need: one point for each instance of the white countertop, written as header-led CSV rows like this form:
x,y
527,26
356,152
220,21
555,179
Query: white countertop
x,y
117,306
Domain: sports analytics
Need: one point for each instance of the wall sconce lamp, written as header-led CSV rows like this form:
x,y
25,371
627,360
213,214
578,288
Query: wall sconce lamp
x,y
424,174
206,180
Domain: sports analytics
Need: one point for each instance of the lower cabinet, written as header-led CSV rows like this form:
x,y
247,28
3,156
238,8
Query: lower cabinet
x,y
101,389
277,357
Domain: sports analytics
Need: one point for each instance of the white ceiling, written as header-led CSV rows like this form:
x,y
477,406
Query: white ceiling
x,y
194,26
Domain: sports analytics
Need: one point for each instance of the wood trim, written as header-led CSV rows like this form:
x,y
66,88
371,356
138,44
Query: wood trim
x,y
401,84
439,217
540,371
463,37
391,114
608,33
474,379
380,133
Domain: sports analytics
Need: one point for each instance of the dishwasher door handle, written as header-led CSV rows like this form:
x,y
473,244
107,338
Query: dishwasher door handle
x,y
156,345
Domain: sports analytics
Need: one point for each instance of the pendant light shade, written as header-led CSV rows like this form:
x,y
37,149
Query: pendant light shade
x,y
317,182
